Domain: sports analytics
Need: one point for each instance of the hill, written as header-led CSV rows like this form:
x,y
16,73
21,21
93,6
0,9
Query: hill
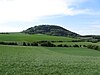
x,y
51,30
20,37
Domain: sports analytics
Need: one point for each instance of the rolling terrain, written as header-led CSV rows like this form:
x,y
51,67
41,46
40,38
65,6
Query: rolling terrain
x,y
21,60
53,54
20,37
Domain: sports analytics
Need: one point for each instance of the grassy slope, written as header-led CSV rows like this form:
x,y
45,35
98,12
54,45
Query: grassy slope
x,y
18,60
36,37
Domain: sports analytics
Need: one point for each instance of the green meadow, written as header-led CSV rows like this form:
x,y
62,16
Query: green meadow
x,y
38,60
20,37
21,60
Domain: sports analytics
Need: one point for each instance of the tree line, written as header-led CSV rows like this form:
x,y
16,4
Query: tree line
x,y
8,43
50,44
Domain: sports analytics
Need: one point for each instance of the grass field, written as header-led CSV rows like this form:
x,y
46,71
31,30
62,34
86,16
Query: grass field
x,y
28,60
20,60
20,37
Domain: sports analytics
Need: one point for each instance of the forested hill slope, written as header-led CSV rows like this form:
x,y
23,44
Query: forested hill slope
x,y
50,30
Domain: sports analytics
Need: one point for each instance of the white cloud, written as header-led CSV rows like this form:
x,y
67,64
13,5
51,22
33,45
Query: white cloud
x,y
73,11
30,10
7,28
27,10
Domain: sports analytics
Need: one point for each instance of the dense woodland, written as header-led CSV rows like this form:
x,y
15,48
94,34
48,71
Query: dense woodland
x,y
50,30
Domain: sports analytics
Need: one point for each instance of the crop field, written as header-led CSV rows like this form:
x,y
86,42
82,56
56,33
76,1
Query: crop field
x,y
21,60
20,37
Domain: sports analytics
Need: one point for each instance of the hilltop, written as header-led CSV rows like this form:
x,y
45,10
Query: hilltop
x,y
53,30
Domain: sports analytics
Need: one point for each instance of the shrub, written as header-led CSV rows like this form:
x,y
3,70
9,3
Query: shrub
x,y
12,43
84,45
24,44
48,44
8,43
75,45
95,47
60,45
28,44
65,45
80,45
34,44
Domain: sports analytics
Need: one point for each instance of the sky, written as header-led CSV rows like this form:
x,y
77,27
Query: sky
x,y
80,16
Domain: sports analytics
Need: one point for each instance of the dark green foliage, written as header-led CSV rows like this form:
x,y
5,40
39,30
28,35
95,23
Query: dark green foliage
x,y
89,46
24,44
84,45
47,44
75,45
78,40
60,41
50,30
95,41
12,43
65,45
41,42
4,33
60,45
70,46
95,47
91,38
34,44
3,43
8,43
28,44
80,45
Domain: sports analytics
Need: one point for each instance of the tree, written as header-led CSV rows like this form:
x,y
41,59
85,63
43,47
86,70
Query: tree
x,y
28,44
75,45
84,46
65,45
47,44
60,45
24,44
